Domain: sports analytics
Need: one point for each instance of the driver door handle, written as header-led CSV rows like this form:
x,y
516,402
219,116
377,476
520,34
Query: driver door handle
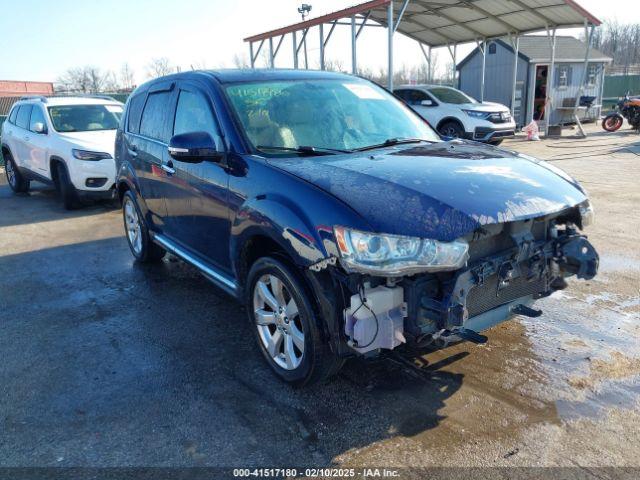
x,y
132,150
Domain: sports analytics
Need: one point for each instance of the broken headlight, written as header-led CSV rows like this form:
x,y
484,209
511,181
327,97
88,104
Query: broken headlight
x,y
391,255
587,213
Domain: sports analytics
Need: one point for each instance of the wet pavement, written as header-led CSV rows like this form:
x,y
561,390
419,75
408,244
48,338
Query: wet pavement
x,y
108,363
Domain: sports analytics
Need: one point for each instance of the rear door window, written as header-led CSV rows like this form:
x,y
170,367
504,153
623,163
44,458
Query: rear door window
x,y
22,119
154,116
193,114
36,117
135,112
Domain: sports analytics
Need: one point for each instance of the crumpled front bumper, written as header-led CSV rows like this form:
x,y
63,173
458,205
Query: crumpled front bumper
x,y
498,287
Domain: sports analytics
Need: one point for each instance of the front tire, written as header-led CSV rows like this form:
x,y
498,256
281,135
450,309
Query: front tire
x,y
67,191
495,143
451,129
142,247
282,316
15,179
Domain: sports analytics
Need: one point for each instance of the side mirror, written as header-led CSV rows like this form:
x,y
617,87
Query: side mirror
x,y
39,127
193,147
427,103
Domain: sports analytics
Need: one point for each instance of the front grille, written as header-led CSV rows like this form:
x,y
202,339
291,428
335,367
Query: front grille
x,y
485,297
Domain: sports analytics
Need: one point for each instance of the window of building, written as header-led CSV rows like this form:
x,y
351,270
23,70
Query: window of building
x,y
492,48
592,74
563,76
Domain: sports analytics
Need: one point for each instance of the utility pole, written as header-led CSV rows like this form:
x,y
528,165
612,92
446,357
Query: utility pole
x,y
304,10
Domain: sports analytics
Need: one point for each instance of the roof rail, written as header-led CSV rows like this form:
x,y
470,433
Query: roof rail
x,y
42,98
83,95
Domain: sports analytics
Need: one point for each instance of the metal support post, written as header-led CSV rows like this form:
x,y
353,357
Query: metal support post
x,y
321,26
390,28
354,60
516,47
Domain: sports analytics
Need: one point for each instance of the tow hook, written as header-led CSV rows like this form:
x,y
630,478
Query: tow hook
x,y
526,311
446,337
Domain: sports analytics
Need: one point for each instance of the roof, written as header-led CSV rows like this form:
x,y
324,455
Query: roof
x,y
536,48
266,74
447,22
231,75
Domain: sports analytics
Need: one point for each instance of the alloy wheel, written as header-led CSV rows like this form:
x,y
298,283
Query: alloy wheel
x,y
134,229
278,321
450,132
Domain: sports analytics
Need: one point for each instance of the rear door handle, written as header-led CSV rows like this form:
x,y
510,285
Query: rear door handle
x,y
168,167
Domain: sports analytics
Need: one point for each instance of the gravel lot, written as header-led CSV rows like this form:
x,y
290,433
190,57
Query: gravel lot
x,y
107,363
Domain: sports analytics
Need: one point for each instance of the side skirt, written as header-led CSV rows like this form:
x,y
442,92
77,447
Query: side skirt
x,y
218,278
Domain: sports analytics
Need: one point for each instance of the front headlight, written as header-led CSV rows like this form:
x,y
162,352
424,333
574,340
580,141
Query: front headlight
x,y
587,213
391,255
476,113
87,155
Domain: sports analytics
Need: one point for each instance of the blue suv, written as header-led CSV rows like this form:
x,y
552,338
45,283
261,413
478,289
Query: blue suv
x,y
344,223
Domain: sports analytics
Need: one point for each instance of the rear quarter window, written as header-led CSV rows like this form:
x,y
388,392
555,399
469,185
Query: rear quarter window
x,y
135,112
13,114
24,113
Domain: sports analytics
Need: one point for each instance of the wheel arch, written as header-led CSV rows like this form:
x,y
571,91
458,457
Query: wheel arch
x,y
53,161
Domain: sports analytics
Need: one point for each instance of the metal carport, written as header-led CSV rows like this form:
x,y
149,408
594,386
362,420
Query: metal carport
x,y
434,24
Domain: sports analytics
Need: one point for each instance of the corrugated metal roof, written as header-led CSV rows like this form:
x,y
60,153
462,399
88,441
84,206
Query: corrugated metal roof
x,y
446,22
536,47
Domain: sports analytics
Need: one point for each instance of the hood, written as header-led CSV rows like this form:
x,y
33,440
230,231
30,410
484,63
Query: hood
x,y
484,107
443,190
97,140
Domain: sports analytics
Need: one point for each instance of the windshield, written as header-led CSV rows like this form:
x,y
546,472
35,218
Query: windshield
x,y
451,95
324,114
85,118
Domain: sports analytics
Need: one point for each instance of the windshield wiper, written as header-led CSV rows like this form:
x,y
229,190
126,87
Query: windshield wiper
x,y
305,150
391,141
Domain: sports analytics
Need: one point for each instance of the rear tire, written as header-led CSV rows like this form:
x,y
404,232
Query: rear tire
x,y
15,179
66,190
142,247
281,314
451,129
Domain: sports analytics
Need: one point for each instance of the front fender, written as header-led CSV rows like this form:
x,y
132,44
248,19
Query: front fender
x,y
278,218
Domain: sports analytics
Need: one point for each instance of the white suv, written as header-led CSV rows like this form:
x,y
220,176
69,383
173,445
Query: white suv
x,y
455,114
64,141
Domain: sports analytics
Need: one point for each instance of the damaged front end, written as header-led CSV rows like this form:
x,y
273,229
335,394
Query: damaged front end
x,y
503,269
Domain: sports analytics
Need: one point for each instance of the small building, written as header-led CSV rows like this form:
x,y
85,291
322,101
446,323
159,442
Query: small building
x,y
534,61
12,90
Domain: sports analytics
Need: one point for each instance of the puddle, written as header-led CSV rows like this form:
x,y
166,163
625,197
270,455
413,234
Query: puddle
x,y
588,348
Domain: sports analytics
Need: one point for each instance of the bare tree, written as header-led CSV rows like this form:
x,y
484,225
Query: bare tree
x,y
619,41
240,60
127,81
159,67
87,79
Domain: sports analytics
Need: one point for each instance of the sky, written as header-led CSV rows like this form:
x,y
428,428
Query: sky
x,y
41,39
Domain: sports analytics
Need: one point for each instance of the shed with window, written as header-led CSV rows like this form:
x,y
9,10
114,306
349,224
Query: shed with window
x,y
539,94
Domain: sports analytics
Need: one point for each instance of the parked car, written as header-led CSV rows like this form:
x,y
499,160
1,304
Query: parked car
x,y
344,223
455,114
64,141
